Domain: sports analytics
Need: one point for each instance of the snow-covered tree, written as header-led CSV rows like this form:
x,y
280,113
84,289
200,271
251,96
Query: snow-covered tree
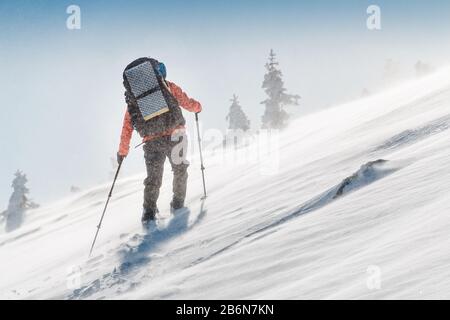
x,y
365,93
236,118
74,189
392,72
18,202
422,69
275,117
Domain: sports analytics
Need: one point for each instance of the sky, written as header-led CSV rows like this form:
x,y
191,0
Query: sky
x,y
62,95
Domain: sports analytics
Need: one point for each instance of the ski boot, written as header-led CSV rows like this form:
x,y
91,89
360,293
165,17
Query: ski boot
x,y
148,217
176,205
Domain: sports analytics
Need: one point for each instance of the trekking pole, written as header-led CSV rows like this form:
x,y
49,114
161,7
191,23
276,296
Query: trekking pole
x,y
201,156
104,210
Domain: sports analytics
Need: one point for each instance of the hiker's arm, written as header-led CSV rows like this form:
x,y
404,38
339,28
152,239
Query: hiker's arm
x,y
183,99
125,137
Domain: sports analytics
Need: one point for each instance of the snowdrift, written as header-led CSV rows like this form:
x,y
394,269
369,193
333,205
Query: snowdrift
x,y
357,208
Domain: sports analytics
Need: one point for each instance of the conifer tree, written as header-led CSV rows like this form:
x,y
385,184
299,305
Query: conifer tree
x,y
18,202
275,117
236,117
422,69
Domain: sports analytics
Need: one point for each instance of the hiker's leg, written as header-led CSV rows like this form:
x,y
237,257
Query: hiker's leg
x,y
177,157
154,161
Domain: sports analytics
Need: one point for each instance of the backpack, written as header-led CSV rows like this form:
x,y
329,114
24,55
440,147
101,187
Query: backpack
x,y
151,105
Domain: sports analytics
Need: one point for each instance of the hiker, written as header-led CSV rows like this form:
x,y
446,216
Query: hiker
x,y
163,132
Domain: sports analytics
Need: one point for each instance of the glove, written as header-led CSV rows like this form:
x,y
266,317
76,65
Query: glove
x,y
120,158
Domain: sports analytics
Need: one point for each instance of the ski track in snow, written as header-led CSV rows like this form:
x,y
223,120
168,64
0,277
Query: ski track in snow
x,y
136,256
136,253
311,230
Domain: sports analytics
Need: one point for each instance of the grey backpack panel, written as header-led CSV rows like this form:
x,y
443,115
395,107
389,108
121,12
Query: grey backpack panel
x,y
152,105
145,88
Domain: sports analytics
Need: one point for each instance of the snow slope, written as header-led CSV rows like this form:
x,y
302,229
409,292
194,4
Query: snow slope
x,y
359,208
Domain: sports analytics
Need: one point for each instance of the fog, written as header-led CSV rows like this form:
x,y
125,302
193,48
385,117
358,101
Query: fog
x,y
62,95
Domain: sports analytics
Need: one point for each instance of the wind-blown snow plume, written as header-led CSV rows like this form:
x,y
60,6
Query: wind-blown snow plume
x,y
312,229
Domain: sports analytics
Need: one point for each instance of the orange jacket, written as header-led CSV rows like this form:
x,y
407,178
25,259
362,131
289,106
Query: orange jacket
x,y
127,128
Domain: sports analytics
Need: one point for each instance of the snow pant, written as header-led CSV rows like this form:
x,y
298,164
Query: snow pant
x,y
156,152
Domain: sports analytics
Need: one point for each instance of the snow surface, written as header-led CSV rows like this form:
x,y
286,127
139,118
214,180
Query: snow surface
x,y
362,191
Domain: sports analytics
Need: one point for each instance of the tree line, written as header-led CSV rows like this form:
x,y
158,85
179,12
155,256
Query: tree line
x,y
275,115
